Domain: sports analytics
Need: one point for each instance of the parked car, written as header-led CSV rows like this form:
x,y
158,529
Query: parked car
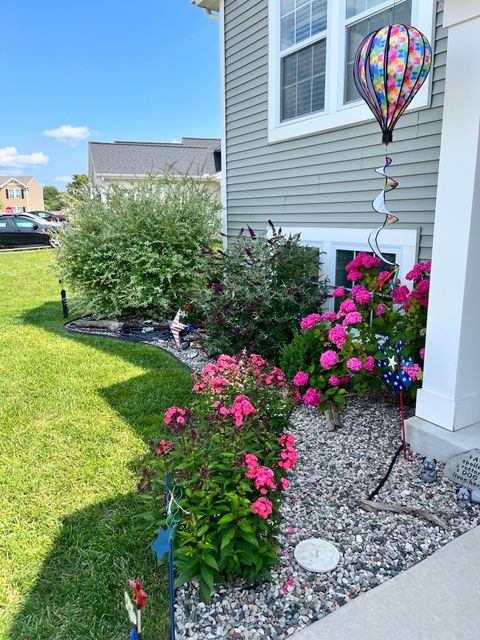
x,y
25,230
50,216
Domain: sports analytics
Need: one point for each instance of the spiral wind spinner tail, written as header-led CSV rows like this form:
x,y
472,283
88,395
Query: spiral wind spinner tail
x,y
380,206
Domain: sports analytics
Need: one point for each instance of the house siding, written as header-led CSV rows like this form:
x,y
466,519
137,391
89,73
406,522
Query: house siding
x,y
325,179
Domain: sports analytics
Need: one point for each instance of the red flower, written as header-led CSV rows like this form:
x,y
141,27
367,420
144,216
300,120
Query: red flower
x,y
139,595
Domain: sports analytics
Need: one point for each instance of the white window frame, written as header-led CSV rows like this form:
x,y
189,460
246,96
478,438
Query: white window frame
x,y
336,114
14,190
403,242
18,209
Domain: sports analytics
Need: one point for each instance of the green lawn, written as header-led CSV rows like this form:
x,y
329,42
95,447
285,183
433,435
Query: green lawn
x,y
75,413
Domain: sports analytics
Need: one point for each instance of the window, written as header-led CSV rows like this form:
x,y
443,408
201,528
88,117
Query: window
x,y
357,29
312,44
15,193
18,209
3,224
23,223
303,26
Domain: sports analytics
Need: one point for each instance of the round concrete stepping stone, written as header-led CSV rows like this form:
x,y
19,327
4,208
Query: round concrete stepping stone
x,y
317,555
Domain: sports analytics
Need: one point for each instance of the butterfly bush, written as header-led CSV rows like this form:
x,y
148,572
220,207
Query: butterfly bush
x,y
338,351
230,454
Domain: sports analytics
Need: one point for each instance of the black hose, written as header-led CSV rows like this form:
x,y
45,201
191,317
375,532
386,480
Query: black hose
x,y
386,476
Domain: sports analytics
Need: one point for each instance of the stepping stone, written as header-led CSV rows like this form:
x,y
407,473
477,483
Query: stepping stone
x,y
317,555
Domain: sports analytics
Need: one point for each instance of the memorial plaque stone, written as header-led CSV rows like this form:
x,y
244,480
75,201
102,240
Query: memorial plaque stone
x,y
464,469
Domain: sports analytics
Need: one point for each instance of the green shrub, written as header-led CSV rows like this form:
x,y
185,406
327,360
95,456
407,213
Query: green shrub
x,y
141,252
257,292
228,456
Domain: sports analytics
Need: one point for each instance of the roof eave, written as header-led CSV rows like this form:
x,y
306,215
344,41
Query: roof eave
x,y
212,5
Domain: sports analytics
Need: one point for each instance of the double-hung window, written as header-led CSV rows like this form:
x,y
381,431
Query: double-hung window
x,y
15,193
312,45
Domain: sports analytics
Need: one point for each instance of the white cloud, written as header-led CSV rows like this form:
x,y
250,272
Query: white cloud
x,y
67,133
11,159
63,179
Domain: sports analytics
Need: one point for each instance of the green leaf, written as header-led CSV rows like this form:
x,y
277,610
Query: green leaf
x,y
228,517
228,535
210,560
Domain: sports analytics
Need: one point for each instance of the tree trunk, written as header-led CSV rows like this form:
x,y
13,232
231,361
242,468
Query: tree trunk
x,y
332,415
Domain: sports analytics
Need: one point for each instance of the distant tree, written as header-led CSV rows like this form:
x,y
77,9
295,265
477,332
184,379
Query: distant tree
x,y
78,184
53,198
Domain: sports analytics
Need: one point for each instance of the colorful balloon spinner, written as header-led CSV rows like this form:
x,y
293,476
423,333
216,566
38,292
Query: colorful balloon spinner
x,y
391,64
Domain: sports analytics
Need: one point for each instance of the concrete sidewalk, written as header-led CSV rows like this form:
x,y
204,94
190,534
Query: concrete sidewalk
x,y
437,599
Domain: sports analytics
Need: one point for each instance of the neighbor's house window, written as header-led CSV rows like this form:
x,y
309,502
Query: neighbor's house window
x,y
363,17
312,45
303,56
15,194
18,209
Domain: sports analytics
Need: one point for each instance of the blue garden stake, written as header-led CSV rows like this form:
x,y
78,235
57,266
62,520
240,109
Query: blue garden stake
x,y
164,544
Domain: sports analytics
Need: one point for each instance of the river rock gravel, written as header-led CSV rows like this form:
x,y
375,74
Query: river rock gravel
x,y
333,471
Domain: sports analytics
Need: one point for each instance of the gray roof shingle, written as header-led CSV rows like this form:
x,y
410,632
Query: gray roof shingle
x,y
192,156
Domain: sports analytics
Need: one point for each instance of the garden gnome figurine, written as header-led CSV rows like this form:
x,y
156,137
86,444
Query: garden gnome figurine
x,y
463,496
429,472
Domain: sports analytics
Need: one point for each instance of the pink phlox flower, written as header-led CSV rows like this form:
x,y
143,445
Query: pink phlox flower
x,y
172,412
241,408
310,321
338,292
368,261
264,478
312,397
285,483
163,447
209,370
328,359
338,336
363,296
287,440
300,379
352,318
288,458
354,276
354,364
262,507
257,360
423,286
219,383
344,379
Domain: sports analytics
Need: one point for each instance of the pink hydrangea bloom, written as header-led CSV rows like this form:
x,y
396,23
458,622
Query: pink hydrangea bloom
x,y
333,381
329,315
354,364
300,379
413,371
380,310
285,483
400,294
312,397
369,364
261,507
354,275
310,321
347,306
352,318
328,359
338,292
338,336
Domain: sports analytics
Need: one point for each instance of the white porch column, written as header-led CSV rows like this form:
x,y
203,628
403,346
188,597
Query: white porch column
x,y
448,406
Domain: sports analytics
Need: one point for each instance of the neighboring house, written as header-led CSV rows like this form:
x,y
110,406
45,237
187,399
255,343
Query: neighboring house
x,y
130,162
299,147
21,193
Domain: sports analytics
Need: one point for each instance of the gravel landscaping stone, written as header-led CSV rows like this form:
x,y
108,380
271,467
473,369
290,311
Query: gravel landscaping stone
x,y
334,470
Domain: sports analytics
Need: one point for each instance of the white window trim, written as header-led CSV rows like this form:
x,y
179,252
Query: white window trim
x,y
336,114
15,207
14,197
403,242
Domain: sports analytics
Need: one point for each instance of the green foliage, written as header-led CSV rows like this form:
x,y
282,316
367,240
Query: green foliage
x,y
257,291
53,198
141,251
234,427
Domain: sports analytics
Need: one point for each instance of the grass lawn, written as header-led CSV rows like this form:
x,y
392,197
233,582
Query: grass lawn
x,y
75,413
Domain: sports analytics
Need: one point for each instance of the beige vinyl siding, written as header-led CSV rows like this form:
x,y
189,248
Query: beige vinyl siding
x,y
326,179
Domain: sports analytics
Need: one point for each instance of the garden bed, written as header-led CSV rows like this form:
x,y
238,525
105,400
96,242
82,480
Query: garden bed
x,y
335,470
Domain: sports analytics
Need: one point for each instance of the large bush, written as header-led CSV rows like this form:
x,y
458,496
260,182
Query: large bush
x,y
257,291
339,350
229,456
140,252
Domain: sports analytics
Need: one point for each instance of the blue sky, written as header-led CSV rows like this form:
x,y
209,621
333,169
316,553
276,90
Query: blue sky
x,y
111,70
